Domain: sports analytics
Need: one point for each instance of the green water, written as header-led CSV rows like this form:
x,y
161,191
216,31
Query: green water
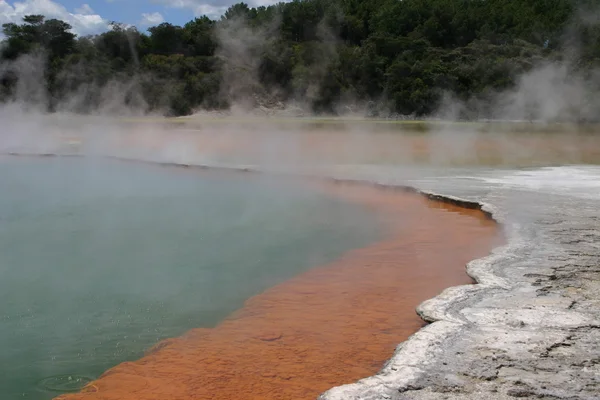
x,y
101,259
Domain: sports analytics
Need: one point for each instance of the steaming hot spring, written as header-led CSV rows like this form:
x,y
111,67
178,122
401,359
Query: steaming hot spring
x,y
104,259
124,279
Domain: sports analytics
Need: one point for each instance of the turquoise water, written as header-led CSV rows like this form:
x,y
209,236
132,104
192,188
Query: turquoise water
x,y
101,259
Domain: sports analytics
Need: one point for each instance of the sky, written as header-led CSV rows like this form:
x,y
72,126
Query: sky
x,y
93,16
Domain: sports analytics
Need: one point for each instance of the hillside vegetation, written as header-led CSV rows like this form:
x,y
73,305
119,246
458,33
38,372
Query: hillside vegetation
x,y
398,58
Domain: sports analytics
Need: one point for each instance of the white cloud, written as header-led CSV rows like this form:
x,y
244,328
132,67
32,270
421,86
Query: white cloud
x,y
258,3
154,18
83,20
85,9
197,7
211,8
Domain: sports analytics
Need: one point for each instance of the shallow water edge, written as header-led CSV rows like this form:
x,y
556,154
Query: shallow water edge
x,y
412,357
528,328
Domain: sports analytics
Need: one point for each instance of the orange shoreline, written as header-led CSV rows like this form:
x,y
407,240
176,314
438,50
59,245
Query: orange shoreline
x,y
332,325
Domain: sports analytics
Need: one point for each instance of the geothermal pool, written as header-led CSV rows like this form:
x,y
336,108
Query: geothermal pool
x,y
339,322
100,259
333,324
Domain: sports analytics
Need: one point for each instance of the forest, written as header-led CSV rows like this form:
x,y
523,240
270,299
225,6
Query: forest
x,y
382,58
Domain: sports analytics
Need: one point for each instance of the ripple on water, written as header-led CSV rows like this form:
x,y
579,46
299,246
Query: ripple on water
x,y
64,383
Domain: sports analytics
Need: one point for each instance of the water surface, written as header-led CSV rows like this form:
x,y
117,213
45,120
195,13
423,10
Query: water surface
x,y
101,259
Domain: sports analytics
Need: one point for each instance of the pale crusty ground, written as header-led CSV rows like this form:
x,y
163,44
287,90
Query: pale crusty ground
x,y
530,329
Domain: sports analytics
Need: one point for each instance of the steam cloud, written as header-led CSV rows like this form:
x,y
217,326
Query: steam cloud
x,y
551,91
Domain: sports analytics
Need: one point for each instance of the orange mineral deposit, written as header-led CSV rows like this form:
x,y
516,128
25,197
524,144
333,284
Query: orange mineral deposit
x,y
332,325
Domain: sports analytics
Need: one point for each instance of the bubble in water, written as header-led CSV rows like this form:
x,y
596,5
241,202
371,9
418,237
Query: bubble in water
x,y
64,383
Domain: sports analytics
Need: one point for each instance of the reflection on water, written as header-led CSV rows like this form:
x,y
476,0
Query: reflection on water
x,y
277,143
268,143
101,259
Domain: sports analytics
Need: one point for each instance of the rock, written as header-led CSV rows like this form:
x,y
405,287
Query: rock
x,y
529,329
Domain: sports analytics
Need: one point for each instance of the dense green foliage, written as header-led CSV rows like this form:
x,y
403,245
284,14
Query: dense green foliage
x,y
394,56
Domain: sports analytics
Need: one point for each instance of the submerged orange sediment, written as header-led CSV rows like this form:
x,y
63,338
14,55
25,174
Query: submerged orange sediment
x,y
331,325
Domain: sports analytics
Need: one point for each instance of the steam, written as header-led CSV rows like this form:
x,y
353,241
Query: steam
x,y
240,49
28,73
112,118
551,91
548,93
310,76
243,47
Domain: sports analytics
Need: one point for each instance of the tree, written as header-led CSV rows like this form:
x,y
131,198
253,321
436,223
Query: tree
x,y
399,53
237,11
166,39
199,38
36,33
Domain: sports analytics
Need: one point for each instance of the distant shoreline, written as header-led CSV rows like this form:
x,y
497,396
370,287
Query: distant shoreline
x,y
408,124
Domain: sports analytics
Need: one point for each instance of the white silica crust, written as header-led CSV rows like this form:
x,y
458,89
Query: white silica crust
x,y
530,327
409,361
